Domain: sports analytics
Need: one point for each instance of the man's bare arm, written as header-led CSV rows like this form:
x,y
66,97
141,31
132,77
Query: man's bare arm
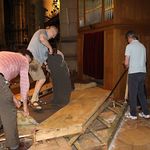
x,y
126,62
45,42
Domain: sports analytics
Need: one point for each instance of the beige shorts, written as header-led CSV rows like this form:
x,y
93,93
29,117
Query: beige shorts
x,y
36,71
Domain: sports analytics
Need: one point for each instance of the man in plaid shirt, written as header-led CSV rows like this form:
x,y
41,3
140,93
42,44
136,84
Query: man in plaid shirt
x,y
11,65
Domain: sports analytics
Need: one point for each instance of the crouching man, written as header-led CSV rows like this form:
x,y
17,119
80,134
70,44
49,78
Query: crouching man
x,y
12,65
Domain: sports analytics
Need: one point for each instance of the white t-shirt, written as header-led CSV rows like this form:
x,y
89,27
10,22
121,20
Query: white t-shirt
x,y
137,57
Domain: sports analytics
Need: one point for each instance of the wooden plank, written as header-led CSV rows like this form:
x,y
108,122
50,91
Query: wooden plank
x,y
104,122
88,141
2,138
55,144
116,123
101,140
73,139
113,110
45,87
77,145
94,116
26,126
118,104
72,118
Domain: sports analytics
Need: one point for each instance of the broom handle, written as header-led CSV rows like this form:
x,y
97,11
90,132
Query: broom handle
x,y
117,83
126,91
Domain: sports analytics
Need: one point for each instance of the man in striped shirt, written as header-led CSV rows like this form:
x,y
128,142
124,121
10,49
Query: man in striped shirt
x,y
12,65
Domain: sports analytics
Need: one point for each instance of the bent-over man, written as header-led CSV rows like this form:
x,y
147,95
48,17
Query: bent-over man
x,y
11,65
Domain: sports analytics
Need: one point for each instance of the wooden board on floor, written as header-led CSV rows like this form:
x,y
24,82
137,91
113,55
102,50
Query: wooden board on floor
x,y
72,118
55,144
26,126
24,131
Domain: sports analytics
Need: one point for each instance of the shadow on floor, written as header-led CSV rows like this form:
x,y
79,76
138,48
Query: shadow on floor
x,y
47,111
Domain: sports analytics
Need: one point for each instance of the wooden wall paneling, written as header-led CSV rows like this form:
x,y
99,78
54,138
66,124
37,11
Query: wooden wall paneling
x,y
118,56
145,39
77,14
123,10
108,59
80,54
135,11
142,11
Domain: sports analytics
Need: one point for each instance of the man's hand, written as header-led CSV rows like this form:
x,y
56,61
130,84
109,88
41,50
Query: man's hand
x,y
45,66
16,102
47,69
60,53
50,51
26,110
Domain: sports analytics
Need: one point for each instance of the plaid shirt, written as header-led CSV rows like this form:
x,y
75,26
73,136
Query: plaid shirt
x,y
14,64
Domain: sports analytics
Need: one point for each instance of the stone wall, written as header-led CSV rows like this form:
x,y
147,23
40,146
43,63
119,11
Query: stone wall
x,y
68,32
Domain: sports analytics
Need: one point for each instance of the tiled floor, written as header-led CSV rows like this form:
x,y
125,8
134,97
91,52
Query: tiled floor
x,y
132,135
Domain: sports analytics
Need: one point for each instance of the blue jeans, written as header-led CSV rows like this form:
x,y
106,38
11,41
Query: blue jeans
x,y
136,89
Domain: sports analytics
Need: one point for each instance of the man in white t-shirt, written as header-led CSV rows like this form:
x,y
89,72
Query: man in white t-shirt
x,y
40,47
135,61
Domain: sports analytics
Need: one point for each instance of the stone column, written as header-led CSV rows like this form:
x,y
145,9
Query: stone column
x,y
68,31
39,13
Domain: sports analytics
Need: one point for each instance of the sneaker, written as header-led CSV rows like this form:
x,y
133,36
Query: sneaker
x,y
144,116
129,116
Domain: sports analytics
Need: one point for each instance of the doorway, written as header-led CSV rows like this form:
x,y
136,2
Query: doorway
x,y
93,55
